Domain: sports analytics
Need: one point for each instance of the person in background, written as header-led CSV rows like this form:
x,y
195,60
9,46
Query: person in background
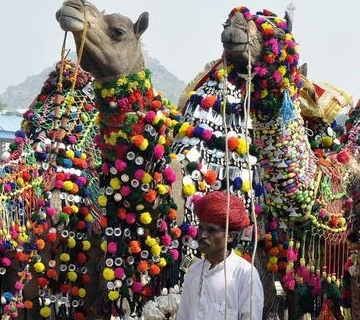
x,y
204,289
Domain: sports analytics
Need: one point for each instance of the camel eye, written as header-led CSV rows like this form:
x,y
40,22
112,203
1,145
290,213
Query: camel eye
x,y
117,33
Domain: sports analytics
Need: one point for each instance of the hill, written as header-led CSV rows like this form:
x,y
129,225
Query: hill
x,y
21,95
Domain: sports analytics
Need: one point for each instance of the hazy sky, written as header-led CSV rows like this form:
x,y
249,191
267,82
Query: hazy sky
x,y
184,35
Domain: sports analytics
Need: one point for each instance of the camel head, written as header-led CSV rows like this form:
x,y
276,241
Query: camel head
x,y
244,34
112,47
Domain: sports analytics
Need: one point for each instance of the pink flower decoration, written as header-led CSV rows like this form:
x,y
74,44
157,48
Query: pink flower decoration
x,y
119,273
125,190
7,187
166,240
159,151
83,180
120,165
260,70
123,102
130,217
18,140
112,247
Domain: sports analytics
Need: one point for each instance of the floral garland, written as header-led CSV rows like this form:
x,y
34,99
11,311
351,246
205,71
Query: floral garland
x,y
140,217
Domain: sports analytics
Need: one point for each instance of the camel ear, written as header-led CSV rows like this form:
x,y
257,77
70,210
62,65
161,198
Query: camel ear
x,y
288,21
141,24
304,69
252,28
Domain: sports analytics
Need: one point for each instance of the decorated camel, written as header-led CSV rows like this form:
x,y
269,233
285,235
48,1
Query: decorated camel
x,y
49,203
253,122
141,236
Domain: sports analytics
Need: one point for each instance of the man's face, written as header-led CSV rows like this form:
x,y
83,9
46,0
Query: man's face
x,y
211,238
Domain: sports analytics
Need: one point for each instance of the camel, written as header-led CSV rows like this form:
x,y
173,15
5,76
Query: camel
x,y
35,281
139,223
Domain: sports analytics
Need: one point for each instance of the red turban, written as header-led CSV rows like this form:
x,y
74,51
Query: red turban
x,y
213,206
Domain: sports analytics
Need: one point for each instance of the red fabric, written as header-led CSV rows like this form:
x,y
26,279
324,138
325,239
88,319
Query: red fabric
x,y
213,206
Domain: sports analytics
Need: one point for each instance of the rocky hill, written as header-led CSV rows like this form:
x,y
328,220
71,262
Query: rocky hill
x,y
21,95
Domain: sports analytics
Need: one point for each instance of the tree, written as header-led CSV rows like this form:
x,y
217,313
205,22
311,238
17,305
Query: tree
x,y
3,105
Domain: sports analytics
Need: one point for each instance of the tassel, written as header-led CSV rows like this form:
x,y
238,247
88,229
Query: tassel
x,y
287,108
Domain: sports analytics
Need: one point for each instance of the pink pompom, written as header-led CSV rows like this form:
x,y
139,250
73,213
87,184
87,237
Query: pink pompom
x,y
112,247
130,217
195,198
7,187
19,286
175,254
166,240
162,226
139,174
72,139
59,184
6,262
82,180
137,287
169,175
150,116
125,190
105,168
258,209
159,151
206,135
50,211
120,165
119,273
192,231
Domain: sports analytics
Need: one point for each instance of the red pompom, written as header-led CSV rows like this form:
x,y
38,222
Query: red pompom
x,y
343,156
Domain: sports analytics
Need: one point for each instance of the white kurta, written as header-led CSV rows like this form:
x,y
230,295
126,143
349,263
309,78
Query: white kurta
x,y
209,304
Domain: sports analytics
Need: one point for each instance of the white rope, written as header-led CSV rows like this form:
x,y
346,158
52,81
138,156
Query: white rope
x,y
227,179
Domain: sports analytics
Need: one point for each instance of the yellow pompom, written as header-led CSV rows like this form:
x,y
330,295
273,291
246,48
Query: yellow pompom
x,y
246,186
64,257
162,262
146,178
83,156
74,209
20,182
327,141
162,189
72,276
71,243
156,250
144,145
102,200
69,154
39,267
113,295
273,260
188,189
82,293
45,312
243,146
115,183
86,245
67,185
104,246
84,117
161,140
108,274
145,218
150,241
89,218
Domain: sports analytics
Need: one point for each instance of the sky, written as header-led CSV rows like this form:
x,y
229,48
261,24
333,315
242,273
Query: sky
x,y
184,35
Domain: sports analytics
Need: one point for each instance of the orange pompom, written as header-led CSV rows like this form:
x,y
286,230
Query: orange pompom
x,y
154,270
210,177
176,231
273,267
233,143
28,304
40,244
150,196
121,213
172,214
51,273
268,245
137,140
282,265
157,176
103,222
142,266
274,251
268,237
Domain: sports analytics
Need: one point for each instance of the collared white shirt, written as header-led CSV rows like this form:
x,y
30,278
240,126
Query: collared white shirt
x,y
205,299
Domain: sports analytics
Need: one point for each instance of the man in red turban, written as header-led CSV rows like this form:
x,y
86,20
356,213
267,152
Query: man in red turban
x,y
204,289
